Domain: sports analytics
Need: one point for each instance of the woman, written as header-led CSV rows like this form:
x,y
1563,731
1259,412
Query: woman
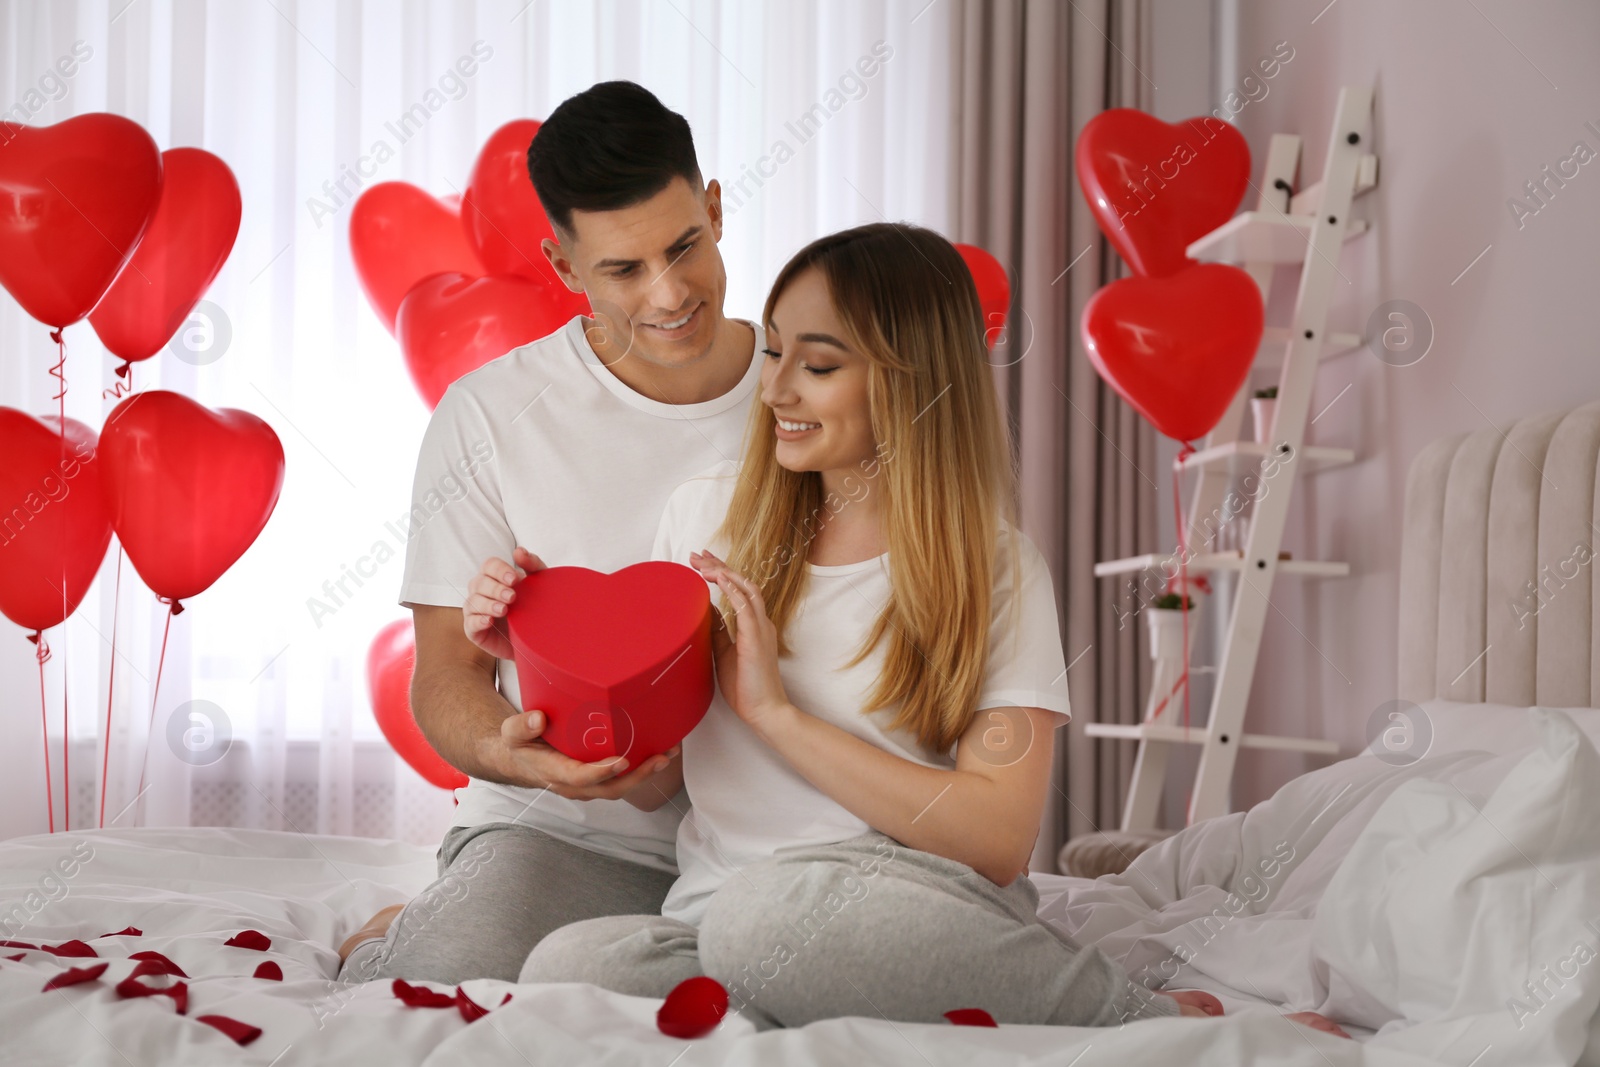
x,y
867,786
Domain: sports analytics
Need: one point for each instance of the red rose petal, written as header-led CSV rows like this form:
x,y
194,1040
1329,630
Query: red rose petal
x,y
470,1010
75,949
132,987
74,975
17,957
971,1017
415,996
270,971
17,944
693,1008
250,939
165,965
505,1000
126,931
243,1033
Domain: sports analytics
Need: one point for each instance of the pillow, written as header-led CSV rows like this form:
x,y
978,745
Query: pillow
x,y
1442,726
1455,921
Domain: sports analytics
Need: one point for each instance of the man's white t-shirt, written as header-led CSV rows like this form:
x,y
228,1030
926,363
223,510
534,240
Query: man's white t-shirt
x,y
546,448
747,801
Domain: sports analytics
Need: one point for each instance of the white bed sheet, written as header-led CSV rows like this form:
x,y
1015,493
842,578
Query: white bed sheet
x,y
1339,929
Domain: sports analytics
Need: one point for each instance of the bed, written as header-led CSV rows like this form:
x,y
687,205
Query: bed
x,y
1438,903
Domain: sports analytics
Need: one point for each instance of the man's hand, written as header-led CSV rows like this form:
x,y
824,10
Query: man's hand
x,y
533,762
469,723
489,596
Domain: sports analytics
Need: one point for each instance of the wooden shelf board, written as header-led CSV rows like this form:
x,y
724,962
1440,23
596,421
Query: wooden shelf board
x,y
1196,735
1220,561
1262,237
1238,455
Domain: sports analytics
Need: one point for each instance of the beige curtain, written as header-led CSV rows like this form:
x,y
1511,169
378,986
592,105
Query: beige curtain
x,y
1030,74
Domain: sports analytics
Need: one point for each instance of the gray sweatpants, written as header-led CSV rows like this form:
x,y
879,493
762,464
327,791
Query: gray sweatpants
x,y
501,888
863,927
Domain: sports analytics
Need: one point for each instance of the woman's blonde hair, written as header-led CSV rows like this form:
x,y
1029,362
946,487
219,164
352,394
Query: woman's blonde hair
x,y
943,464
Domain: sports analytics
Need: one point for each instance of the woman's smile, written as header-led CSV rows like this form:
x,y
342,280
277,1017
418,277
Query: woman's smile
x,y
792,430
814,383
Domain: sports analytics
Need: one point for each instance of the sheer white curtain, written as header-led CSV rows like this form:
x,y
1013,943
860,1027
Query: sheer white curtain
x,y
301,98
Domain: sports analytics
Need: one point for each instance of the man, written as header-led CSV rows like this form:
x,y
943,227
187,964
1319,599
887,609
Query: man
x,y
569,445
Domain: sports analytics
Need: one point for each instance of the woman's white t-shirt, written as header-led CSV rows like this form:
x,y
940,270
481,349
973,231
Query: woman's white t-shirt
x,y
747,802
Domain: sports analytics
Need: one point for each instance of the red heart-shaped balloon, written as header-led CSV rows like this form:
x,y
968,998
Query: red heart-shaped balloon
x,y
1178,347
390,660
188,488
994,289
620,664
503,217
400,235
54,533
449,324
77,197
693,1008
1154,187
180,254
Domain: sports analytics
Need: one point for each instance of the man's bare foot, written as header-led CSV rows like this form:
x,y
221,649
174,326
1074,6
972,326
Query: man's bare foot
x,y
1197,1003
1318,1022
376,926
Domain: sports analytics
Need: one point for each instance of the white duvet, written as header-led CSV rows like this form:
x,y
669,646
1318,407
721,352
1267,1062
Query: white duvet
x,y
1447,913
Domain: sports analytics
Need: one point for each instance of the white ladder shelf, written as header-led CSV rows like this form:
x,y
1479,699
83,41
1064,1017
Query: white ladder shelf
x,y
1308,228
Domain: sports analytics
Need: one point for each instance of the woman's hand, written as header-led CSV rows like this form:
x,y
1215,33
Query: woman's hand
x,y
1197,1003
1201,1005
747,664
489,595
1317,1022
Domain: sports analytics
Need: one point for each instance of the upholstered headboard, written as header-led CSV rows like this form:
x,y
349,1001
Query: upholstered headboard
x,y
1498,575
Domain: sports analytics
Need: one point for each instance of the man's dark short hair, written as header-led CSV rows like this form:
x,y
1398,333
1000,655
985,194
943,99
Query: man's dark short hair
x,y
610,146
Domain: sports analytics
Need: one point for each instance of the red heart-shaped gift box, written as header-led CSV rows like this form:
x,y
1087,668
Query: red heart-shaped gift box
x,y
620,664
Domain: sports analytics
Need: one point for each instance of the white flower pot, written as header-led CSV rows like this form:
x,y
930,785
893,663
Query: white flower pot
x,y
1166,630
1264,411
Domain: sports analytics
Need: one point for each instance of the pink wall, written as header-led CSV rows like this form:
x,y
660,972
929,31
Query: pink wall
x,y
1472,100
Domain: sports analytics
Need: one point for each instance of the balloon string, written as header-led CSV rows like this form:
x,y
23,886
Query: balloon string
x,y
120,389
66,749
160,666
42,653
1184,600
105,757
59,372
1159,708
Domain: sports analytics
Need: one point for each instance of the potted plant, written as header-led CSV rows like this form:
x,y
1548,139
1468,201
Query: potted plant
x,y
1166,615
1264,406
1166,625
